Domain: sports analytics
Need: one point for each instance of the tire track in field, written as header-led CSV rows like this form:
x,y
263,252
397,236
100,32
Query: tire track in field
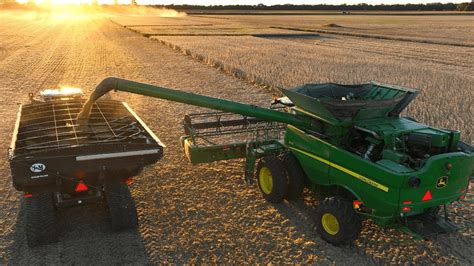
x,y
17,64
3,53
71,58
47,65
47,70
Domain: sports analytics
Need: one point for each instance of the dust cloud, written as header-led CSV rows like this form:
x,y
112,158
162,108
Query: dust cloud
x,y
74,12
143,11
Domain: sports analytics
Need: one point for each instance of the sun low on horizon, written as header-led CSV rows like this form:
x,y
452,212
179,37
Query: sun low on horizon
x,y
78,10
86,2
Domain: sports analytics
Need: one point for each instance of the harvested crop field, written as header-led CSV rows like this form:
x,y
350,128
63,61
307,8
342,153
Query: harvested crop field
x,y
205,213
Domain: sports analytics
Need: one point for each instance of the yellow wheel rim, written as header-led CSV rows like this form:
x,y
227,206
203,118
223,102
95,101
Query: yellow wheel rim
x,y
330,224
266,180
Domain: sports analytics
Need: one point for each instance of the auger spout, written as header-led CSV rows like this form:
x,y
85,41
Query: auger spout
x,y
112,83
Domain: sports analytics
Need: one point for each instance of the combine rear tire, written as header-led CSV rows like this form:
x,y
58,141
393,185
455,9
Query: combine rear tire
x,y
296,176
272,179
123,213
40,220
337,222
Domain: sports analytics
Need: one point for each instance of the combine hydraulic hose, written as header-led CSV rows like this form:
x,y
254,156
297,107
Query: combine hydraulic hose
x,y
111,83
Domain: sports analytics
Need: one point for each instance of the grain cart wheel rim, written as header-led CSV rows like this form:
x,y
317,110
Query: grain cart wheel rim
x,y
330,224
266,180
272,179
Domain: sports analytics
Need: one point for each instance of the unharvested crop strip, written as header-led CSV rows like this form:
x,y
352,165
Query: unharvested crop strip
x,y
282,36
169,25
373,36
235,72
261,35
195,34
230,70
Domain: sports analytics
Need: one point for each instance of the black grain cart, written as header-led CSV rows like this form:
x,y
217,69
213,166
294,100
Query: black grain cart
x,y
57,163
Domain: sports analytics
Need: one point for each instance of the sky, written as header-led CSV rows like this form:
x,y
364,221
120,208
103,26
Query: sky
x,y
250,2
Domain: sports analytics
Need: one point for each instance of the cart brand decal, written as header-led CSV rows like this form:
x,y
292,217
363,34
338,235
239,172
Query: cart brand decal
x,y
38,176
115,155
442,182
345,170
37,168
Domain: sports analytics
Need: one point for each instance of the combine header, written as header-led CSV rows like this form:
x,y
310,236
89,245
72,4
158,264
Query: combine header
x,y
346,143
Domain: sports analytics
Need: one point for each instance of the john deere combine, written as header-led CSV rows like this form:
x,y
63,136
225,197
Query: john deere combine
x,y
349,144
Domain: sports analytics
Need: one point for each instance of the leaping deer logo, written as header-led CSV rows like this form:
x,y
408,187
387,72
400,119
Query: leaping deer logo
x,y
442,182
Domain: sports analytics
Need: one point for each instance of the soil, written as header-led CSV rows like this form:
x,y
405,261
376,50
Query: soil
x,y
187,213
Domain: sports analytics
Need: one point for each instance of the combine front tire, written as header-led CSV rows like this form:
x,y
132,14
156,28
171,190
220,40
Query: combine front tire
x,y
40,220
123,214
296,176
272,179
337,222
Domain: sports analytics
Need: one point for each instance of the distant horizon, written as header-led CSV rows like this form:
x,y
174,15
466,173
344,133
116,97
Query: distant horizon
x,y
296,2
242,2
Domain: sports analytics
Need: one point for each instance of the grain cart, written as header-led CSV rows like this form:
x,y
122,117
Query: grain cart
x,y
58,164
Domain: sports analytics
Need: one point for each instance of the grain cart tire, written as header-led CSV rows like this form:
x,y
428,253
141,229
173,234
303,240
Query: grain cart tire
x,y
272,179
296,176
40,220
123,213
337,222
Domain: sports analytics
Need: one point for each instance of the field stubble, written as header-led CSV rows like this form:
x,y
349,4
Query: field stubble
x,y
186,213
444,73
445,77
442,29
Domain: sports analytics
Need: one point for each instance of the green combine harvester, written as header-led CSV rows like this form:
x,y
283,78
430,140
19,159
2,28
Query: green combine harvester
x,y
348,143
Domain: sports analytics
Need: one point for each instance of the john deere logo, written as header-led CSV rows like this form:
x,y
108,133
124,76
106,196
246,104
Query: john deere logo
x,y
442,182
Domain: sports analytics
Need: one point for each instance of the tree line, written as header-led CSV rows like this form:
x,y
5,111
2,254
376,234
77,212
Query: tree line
x,y
468,6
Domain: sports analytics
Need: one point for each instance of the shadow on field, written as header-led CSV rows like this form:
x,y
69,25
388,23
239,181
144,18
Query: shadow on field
x,y
85,237
301,214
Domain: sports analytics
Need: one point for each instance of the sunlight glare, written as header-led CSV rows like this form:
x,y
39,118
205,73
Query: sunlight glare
x,y
80,2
